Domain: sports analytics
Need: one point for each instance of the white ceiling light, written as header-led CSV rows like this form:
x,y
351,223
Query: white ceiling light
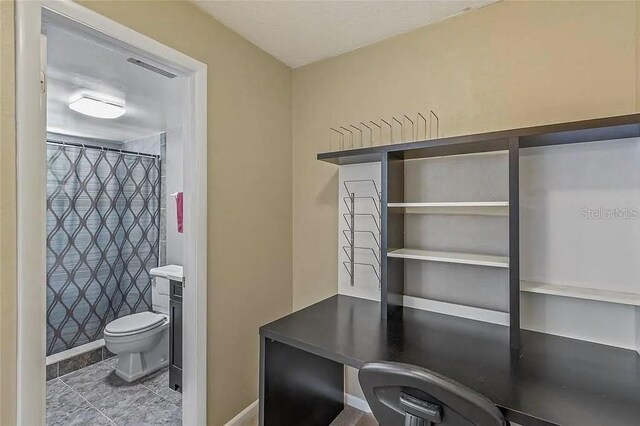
x,y
97,108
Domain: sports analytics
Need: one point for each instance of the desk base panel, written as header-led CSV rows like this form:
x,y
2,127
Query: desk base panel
x,y
298,387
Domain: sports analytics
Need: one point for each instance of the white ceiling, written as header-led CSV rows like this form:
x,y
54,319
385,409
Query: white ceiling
x,y
299,32
77,66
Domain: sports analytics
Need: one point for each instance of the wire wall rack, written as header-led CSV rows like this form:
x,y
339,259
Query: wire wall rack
x,y
400,129
358,252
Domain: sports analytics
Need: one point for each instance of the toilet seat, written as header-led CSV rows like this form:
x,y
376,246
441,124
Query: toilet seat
x,y
135,324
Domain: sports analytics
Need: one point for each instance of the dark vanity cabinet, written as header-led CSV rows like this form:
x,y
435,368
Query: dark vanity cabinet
x,y
175,336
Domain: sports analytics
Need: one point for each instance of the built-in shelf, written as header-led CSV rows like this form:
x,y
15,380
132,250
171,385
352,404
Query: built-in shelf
x,y
451,257
470,204
575,292
396,213
463,311
484,208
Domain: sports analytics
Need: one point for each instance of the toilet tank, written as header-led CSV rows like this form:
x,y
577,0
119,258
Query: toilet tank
x,y
160,286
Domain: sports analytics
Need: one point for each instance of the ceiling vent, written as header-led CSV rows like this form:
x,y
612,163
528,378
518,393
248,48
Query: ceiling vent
x,y
150,67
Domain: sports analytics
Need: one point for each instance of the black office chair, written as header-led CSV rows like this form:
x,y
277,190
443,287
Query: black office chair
x,y
407,395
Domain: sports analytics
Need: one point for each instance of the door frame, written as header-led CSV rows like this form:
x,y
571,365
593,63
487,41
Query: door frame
x,y
31,203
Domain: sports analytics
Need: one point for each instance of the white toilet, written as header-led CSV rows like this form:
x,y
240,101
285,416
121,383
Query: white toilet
x,y
142,340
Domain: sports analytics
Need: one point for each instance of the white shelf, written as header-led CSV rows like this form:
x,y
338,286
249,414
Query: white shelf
x,y
451,257
485,208
575,292
463,311
453,204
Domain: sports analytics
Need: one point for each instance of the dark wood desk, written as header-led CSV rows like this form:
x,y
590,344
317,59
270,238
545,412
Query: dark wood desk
x,y
552,380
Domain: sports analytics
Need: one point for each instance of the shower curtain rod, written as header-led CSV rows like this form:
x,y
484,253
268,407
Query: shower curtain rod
x,y
101,148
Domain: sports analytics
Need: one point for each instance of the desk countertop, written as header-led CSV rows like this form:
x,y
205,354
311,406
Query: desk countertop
x,y
551,380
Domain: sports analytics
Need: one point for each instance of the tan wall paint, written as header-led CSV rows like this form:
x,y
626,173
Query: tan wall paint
x,y
7,218
508,65
249,189
504,66
249,238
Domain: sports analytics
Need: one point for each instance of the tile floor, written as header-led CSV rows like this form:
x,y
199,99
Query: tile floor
x,y
348,417
94,395
353,417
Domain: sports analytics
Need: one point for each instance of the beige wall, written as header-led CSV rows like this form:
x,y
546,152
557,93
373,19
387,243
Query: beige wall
x,y
249,193
249,188
508,65
7,218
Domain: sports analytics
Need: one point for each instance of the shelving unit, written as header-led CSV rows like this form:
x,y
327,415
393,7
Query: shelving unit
x,y
392,160
451,257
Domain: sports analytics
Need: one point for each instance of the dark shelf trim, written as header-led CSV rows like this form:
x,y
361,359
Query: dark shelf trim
x,y
514,242
598,129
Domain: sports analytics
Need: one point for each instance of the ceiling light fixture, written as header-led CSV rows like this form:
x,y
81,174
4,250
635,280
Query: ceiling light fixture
x,y
97,108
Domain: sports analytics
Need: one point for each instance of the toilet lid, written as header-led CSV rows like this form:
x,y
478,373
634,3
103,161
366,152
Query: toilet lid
x,y
135,323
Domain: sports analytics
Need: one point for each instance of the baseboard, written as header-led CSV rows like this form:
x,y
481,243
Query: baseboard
x,y
250,413
78,350
355,402
248,416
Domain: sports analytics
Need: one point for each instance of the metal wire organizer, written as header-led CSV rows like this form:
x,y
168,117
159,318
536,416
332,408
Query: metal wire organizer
x,y
369,195
399,130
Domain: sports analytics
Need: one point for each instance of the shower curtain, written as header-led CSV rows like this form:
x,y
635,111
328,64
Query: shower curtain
x,y
103,210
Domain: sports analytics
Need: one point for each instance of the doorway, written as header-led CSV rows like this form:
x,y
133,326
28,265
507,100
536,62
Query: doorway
x,y
79,306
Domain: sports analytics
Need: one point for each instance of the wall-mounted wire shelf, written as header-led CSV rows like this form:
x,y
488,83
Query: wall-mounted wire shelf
x,y
358,253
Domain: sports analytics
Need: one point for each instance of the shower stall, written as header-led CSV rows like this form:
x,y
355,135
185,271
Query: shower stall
x,y
103,228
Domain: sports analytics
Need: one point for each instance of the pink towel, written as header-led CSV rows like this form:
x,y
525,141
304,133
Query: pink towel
x,y
179,210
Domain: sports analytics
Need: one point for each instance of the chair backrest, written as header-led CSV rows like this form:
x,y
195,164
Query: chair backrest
x,y
407,395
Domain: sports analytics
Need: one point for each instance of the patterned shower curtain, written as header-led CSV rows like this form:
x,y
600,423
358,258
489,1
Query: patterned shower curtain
x,y
103,218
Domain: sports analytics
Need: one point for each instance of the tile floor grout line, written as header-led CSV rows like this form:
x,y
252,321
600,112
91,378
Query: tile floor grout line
x,y
153,392
85,399
111,420
88,402
92,406
75,392
160,396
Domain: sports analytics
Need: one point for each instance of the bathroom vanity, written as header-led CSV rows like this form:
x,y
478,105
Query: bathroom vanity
x,y
175,335
170,279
